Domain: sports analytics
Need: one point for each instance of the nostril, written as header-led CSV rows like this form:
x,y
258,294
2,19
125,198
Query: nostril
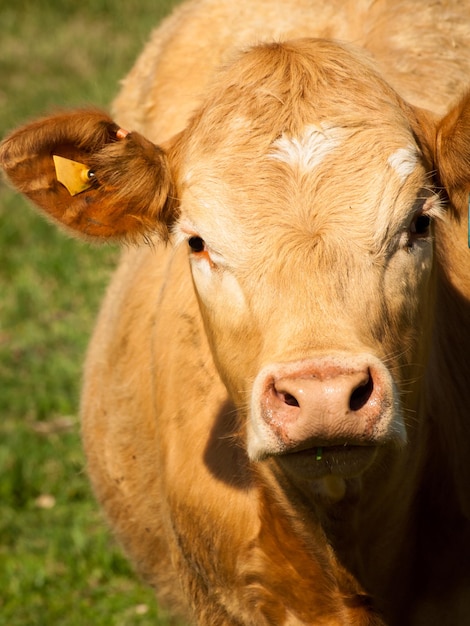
x,y
361,395
282,389
289,399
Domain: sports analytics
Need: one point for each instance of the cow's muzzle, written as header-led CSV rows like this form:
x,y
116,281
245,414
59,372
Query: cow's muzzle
x,y
324,415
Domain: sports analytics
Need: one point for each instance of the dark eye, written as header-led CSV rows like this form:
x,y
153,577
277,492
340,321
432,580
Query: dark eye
x,y
421,224
196,244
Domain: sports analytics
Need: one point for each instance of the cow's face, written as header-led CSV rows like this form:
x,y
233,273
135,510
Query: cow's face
x,y
302,190
307,208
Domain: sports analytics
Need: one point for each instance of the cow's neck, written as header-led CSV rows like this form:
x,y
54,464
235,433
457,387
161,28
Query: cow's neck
x,y
448,375
338,518
441,509
296,535
371,535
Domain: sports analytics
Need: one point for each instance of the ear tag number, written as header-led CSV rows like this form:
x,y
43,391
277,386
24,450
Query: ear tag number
x,y
75,176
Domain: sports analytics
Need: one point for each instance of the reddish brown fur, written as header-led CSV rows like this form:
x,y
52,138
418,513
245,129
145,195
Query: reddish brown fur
x,y
225,540
128,201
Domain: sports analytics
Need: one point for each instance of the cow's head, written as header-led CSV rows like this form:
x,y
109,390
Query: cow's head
x,y
304,191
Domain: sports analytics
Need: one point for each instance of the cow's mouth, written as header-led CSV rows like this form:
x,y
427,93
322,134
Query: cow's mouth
x,y
344,460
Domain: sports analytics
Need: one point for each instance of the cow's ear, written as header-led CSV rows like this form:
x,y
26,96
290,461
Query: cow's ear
x,y
89,175
453,153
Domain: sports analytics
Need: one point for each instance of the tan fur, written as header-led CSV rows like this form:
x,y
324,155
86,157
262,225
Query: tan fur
x,y
322,262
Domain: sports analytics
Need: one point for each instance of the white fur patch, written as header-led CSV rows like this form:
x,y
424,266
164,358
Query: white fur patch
x,y
307,151
404,161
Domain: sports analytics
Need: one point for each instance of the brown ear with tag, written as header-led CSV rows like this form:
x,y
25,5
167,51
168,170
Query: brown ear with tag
x,y
91,176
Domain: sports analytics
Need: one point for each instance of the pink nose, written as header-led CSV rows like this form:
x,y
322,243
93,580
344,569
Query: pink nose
x,y
326,403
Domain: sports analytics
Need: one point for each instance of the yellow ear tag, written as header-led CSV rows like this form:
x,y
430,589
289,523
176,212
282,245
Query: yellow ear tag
x,y
75,176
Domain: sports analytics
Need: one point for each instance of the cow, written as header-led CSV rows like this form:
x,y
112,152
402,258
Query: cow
x,y
275,399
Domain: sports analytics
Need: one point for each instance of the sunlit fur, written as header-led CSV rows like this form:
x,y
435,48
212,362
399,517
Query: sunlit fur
x,y
304,166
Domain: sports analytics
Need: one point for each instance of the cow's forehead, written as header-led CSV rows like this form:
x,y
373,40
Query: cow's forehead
x,y
274,90
322,145
324,180
317,145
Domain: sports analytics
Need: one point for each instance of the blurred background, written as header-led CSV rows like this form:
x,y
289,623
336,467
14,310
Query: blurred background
x,y
58,562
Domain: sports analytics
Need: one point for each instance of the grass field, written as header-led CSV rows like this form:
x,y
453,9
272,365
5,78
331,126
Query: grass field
x,y
58,562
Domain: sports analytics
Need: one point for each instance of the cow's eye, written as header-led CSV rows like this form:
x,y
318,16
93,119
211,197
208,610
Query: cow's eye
x,y
196,244
419,228
420,225
428,207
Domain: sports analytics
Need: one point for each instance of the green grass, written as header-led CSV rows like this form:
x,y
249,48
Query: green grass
x,y
58,562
